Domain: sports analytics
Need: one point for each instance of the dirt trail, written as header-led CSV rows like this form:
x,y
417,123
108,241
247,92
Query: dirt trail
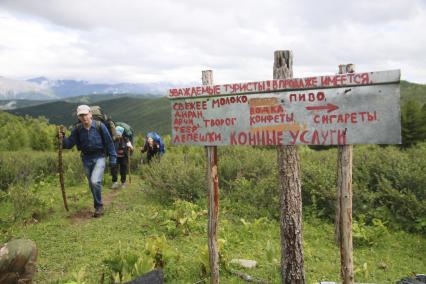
x,y
86,214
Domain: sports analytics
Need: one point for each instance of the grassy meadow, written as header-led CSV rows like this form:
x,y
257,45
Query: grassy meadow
x,y
160,219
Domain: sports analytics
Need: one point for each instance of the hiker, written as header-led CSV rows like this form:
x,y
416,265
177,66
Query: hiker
x,y
17,261
94,141
123,147
152,148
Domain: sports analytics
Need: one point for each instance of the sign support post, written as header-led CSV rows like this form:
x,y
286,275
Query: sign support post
x,y
344,204
292,259
213,197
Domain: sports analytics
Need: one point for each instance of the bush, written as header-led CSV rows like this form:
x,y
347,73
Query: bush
x,y
174,178
26,204
25,167
388,183
391,182
20,133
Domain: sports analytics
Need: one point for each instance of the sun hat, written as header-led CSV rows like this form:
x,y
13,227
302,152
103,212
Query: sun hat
x,y
83,109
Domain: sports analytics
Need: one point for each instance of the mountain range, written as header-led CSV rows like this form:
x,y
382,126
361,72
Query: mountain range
x,y
42,88
142,113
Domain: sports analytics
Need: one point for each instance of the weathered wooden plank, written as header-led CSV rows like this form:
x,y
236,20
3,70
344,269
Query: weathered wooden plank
x,y
352,115
307,83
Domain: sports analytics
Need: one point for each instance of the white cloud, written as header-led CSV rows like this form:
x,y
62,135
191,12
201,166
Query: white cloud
x,y
145,41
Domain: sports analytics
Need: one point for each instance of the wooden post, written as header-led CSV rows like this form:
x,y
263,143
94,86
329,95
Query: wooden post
x,y
213,196
292,259
344,204
61,166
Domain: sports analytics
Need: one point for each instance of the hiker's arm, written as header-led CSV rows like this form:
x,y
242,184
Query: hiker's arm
x,y
71,140
130,146
144,148
109,145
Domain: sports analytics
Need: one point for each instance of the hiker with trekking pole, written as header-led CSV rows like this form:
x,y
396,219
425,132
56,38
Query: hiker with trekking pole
x,y
123,147
94,141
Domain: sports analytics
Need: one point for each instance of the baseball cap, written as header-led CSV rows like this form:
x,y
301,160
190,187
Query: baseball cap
x,y
83,109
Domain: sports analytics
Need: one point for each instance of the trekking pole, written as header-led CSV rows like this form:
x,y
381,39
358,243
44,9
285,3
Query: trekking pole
x,y
61,165
129,166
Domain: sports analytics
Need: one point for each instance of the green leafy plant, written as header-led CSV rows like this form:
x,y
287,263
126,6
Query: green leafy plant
x,y
181,219
124,265
368,235
203,258
159,250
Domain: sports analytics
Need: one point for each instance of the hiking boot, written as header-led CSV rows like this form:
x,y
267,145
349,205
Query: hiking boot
x,y
123,185
98,212
115,185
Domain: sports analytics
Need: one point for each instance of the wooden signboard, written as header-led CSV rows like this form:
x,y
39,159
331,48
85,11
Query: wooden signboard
x,y
356,108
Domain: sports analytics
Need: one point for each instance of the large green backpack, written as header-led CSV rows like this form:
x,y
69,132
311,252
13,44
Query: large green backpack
x,y
128,130
99,115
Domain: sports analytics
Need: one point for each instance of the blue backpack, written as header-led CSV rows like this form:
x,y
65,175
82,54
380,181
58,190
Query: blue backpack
x,y
157,138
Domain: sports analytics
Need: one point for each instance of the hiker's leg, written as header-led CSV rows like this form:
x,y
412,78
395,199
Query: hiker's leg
x,y
114,171
88,165
123,169
96,180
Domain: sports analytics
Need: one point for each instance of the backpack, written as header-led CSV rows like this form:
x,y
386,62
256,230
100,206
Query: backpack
x,y
128,130
157,138
99,115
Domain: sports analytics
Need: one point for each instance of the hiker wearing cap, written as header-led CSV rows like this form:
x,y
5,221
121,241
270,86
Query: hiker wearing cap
x,y
123,147
17,261
94,141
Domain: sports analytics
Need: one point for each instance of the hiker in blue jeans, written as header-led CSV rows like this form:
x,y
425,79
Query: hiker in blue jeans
x,y
94,141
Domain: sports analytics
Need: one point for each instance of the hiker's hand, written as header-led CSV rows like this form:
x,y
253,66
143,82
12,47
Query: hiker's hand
x,y
61,134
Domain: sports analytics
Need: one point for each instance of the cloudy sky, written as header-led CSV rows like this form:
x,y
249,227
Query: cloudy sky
x,y
143,41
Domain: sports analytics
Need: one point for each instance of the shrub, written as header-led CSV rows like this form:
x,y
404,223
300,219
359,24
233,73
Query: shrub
x,y
24,167
26,133
26,204
173,178
388,183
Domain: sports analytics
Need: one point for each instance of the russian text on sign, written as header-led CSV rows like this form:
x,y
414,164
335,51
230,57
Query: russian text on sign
x,y
357,114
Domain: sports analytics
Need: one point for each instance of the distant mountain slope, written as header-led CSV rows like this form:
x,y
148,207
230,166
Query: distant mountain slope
x,y
42,88
87,99
16,89
90,99
143,114
14,104
73,88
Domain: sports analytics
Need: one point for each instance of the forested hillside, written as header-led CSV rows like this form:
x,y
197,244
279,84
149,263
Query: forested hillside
x,y
413,92
143,114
